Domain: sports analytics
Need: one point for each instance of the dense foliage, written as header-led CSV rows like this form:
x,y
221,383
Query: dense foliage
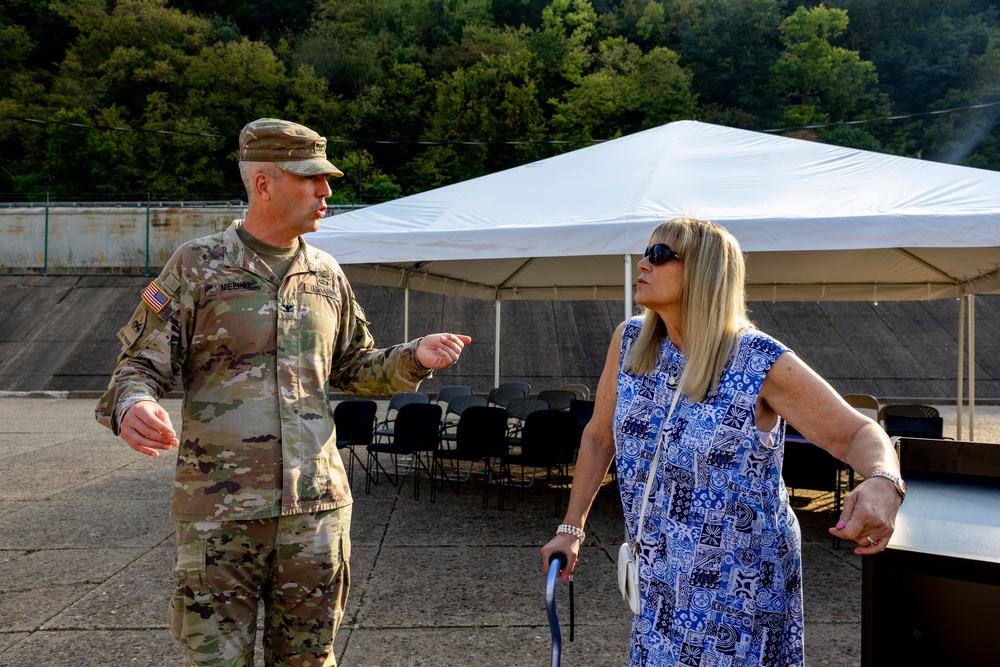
x,y
414,94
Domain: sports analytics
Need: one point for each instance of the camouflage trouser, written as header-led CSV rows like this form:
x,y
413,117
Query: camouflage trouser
x,y
297,565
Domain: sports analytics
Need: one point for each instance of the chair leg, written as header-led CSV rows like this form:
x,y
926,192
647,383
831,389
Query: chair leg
x,y
519,488
368,474
486,485
395,479
416,477
561,469
361,463
418,465
352,456
445,478
376,465
490,475
458,469
434,462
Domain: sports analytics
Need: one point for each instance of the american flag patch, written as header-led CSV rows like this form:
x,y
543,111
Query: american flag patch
x,y
155,298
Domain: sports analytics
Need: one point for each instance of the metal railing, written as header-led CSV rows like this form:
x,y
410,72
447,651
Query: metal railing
x,y
124,238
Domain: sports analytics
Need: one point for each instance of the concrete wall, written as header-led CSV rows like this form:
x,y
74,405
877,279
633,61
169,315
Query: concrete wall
x,y
58,334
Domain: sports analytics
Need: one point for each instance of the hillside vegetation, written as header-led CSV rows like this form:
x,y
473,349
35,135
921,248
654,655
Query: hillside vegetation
x,y
415,94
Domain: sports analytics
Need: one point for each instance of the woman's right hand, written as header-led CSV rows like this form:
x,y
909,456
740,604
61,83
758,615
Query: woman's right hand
x,y
568,545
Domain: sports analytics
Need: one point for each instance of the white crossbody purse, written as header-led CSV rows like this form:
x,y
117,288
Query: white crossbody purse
x,y
628,552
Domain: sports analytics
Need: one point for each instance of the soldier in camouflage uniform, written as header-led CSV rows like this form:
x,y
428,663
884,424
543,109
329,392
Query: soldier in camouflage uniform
x,y
260,328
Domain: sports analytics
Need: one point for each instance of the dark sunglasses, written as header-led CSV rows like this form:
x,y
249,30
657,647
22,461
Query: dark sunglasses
x,y
660,253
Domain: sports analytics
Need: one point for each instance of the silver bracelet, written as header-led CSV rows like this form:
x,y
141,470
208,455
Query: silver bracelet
x,y
570,529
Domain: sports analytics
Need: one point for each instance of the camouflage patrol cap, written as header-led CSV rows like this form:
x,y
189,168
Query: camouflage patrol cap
x,y
293,147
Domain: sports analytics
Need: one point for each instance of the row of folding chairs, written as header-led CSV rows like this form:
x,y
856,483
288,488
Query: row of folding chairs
x,y
908,420
512,396
423,439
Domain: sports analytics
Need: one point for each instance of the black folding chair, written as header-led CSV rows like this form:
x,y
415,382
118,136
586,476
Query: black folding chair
x,y
354,420
549,439
517,411
481,437
557,399
501,396
445,394
523,387
453,413
415,435
914,427
583,411
384,429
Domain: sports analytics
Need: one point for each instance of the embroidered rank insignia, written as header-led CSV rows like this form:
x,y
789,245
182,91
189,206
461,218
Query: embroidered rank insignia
x,y
155,298
129,334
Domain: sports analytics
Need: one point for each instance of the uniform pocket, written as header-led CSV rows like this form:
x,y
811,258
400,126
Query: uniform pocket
x,y
192,613
315,479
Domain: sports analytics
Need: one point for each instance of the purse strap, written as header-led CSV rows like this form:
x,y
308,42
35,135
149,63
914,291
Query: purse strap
x,y
652,474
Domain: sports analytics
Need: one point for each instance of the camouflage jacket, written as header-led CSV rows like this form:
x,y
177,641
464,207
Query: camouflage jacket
x,y
257,361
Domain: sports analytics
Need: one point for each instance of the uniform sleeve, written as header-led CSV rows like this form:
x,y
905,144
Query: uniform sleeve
x,y
360,368
152,352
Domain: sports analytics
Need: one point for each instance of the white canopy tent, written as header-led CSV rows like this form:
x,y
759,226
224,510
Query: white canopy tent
x,y
817,222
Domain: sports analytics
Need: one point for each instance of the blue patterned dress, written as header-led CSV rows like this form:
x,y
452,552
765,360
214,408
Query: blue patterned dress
x,y
720,563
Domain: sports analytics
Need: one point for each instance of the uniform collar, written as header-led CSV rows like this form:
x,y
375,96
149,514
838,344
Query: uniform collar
x,y
237,254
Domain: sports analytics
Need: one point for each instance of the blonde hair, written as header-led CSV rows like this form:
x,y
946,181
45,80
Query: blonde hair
x,y
250,169
713,305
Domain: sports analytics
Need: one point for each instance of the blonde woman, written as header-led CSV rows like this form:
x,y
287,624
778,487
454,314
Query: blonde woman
x,y
720,549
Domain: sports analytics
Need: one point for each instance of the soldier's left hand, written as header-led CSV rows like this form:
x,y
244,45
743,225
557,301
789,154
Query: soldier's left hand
x,y
439,351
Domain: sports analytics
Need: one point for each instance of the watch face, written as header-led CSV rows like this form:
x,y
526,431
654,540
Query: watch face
x,y
901,485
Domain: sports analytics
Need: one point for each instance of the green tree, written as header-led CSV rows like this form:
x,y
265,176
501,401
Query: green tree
x,y
15,47
233,83
492,101
932,56
395,109
184,164
643,22
478,41
260,20
563,42
134,66
41,22
83,162
142,46
820,82
969,136
363,181
629,91
729,47
310,102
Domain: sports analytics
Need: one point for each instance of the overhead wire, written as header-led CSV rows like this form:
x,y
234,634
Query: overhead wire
x,y
329,141
862,121
813,126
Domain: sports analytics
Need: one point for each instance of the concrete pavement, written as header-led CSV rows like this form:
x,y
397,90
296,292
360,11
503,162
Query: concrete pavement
x,y
86,549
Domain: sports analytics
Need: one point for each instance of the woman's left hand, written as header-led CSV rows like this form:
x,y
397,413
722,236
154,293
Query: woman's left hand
x,y
869,515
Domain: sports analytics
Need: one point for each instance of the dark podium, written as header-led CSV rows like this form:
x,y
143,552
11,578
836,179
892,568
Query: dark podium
x,y
933,596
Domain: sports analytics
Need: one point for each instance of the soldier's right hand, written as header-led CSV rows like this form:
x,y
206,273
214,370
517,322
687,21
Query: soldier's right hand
x,y
147,429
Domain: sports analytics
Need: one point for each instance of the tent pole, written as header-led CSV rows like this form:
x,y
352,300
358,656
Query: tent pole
x,y
961,361
496,353
406,310
972,366
628,286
